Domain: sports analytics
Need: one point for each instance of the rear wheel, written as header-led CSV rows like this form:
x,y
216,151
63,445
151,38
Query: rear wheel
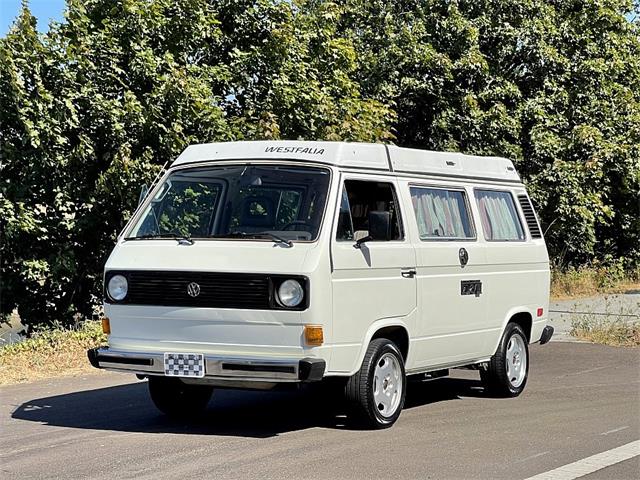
x,y
507,371
177,399
377,391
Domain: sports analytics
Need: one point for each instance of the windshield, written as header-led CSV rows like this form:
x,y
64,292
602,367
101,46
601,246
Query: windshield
x,y
245,201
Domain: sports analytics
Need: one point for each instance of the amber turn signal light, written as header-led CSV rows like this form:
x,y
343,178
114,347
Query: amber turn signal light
x,y
313,335
106,326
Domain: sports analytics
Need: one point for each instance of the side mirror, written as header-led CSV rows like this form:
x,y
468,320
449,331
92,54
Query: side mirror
x,y
144,191
379,227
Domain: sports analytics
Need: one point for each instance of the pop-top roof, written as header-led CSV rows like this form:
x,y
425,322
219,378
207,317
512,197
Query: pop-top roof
x,y
368,156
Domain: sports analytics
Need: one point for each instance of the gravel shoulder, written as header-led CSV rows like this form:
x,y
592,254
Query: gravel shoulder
x,y
615,306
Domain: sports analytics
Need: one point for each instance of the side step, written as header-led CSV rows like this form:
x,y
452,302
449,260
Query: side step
x,y
420,377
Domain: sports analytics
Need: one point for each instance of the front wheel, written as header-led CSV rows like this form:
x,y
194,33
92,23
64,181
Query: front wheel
x,y
377,391
177,399
507,371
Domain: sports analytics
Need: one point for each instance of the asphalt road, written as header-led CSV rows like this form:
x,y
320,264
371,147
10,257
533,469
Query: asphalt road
x,y
581,400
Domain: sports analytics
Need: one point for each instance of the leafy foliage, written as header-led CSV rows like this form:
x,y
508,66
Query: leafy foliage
x,y
555,85
92,110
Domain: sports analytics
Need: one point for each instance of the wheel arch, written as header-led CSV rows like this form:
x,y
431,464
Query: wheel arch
x,y
520,315
393,329
398,335
525,320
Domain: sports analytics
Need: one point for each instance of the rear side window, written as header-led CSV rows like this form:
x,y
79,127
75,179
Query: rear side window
x,y
441,214
499,217
359,199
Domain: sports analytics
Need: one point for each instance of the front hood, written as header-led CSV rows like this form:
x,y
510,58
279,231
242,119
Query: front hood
x,y
246,256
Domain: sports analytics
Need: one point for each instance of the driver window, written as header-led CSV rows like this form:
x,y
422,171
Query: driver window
x,y
345,225
359,198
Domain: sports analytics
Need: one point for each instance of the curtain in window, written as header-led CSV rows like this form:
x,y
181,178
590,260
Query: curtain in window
x,y
498,215
440,213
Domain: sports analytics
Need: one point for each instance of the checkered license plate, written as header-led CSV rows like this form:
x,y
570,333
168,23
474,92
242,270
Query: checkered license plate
x,y
184,365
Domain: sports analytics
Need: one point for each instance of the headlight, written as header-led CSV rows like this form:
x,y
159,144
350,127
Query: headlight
x,y
118,287
290,293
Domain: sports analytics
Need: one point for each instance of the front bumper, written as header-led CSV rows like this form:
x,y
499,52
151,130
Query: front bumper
x,y
221,371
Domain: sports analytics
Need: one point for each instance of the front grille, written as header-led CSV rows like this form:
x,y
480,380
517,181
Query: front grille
x,y
216,290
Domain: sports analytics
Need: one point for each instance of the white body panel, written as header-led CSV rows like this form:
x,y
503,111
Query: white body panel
x,y
353,292
368,289
353,155
450,327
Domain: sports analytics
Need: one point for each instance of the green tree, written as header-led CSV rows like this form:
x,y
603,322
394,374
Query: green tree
x,y
555,85
92,110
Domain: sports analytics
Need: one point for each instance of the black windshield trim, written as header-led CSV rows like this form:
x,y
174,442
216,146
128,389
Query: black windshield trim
x,y
204,239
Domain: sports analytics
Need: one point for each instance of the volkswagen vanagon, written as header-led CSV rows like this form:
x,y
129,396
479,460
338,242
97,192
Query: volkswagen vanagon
x,y
259,264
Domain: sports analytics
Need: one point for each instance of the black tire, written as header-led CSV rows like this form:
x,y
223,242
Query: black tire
x,y
495,378
177,399
359,390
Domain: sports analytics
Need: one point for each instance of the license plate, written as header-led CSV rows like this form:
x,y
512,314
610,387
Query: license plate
x,y
184,365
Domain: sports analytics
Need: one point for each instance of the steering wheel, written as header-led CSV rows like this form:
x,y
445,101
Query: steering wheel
x,y
294,223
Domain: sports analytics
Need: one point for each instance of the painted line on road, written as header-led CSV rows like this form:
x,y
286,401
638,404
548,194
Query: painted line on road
x,y
591,464
615,430
591,370
537,455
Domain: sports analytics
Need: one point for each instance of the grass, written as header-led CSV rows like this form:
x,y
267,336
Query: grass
x,y
614,333
591,281
49,353
617,326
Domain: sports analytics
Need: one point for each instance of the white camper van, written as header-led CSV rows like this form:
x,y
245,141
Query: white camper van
x,y
259,264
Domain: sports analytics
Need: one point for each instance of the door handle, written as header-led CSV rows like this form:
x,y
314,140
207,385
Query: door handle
x,y
408,272
463,257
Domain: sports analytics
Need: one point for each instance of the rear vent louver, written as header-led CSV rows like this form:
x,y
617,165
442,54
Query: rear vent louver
x,y
530,216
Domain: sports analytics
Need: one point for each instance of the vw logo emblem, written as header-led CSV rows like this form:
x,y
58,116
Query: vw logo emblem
x,y
193,289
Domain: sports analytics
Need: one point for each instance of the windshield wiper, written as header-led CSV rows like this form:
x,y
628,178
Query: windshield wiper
x,y
276,238
182,239
271,236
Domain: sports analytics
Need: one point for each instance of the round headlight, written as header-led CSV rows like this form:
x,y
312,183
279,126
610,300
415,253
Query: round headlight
x,y
290,293
118,287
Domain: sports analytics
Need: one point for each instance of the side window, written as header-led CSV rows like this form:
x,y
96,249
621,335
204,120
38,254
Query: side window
x,y
441,214
345,225
359,198
499,216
